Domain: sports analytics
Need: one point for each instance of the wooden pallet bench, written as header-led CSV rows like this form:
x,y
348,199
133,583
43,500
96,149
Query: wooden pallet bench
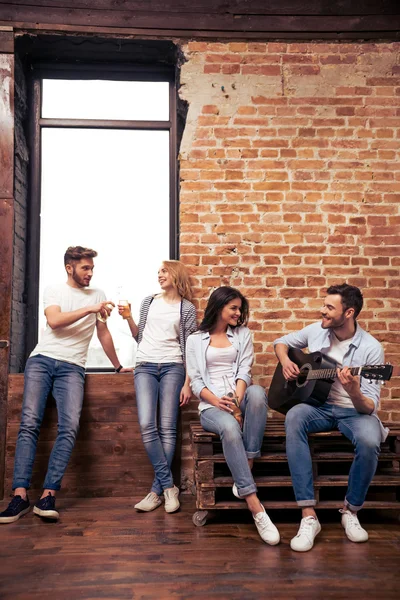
x,y
331,455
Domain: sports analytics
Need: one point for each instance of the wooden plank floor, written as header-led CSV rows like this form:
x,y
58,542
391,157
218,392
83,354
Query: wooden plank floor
x,y
102,549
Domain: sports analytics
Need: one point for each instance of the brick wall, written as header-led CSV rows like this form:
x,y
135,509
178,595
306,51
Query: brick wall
x,y
290,181
18,315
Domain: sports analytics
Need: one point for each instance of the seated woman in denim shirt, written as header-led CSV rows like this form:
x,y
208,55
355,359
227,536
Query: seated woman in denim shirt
x,y
219,358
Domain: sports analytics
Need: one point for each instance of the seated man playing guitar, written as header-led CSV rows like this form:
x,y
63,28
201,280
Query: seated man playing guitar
x,y
350,406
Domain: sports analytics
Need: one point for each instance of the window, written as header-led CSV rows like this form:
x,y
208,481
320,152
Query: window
x,y
105,150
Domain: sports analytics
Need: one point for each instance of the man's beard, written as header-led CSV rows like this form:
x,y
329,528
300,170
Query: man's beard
x,y
335,323
79,280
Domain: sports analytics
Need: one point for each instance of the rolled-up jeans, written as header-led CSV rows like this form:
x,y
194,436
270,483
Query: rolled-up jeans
x,y
239,446
158,387
66,382
361,429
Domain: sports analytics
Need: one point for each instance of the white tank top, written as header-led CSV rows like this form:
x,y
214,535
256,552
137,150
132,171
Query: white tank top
x,y
219,362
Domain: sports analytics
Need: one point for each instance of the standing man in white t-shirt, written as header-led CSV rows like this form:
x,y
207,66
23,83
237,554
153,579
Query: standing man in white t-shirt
x,y
57,365
350,407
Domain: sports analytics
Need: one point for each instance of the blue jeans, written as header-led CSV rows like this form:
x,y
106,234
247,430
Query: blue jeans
x,y
361,429
238,446
66,382
158,388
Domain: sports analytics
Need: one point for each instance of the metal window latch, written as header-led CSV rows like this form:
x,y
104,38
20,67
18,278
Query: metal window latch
x,y
4,343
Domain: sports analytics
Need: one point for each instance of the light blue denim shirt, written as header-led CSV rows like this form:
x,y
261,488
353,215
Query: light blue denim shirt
x,y
363,350
196,347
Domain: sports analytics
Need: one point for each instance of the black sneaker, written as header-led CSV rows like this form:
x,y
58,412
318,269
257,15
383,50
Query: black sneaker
x,y
17,508
46,507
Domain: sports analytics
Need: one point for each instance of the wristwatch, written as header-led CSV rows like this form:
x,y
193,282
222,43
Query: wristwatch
x,y
119,368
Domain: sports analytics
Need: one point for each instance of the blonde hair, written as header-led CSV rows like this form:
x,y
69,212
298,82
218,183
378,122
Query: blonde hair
x,y
180,278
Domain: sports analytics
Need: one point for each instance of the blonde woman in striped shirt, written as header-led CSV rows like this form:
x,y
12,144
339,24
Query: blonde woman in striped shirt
x,y
161,384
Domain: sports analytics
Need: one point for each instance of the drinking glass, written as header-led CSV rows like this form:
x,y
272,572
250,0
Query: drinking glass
x,y
231,393
125,314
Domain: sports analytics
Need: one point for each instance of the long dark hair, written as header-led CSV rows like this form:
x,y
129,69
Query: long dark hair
x,y
216,302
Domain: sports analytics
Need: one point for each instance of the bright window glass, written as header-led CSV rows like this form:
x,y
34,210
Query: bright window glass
x,y
102,99
108,190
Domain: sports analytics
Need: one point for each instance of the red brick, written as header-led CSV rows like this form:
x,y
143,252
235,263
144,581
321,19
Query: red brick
x,y
212,69
268,100
230,69
301,190
299,58
278,47
338,59
246,110
197,46
239,47
210,109
258,59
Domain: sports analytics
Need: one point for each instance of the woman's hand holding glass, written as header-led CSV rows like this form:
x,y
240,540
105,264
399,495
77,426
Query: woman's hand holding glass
x,y
237,413
124,309
228,404
225,403
231,395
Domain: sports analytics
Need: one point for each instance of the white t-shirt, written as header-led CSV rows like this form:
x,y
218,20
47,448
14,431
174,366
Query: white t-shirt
x,y
219,363
160,341
70,343
337,394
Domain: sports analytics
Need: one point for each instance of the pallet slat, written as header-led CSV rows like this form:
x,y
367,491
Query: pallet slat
x,y
317,456
280,505
271,473
285,481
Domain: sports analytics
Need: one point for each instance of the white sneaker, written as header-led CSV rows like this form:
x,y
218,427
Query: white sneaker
x,y
308,530
171,499
352,527
149,503
267,530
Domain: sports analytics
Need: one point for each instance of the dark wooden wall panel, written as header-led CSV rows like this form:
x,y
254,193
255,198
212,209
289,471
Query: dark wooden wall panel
x,y
201,21
7,125
205,18
7,41
109,458
6,228
234,7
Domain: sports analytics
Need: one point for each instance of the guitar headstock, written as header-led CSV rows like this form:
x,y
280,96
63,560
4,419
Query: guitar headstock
x,y
377,372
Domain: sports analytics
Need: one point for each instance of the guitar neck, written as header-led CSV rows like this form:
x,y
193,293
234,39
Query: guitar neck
x,y
330,373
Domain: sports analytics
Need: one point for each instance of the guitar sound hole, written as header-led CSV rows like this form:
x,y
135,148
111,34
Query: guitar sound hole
x,y
302,378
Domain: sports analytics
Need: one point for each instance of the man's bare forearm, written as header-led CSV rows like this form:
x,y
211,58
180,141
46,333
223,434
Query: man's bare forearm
x,y
281,351
58,319
107,343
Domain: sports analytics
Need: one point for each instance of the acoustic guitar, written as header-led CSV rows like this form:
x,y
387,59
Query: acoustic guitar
x,y
312,385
